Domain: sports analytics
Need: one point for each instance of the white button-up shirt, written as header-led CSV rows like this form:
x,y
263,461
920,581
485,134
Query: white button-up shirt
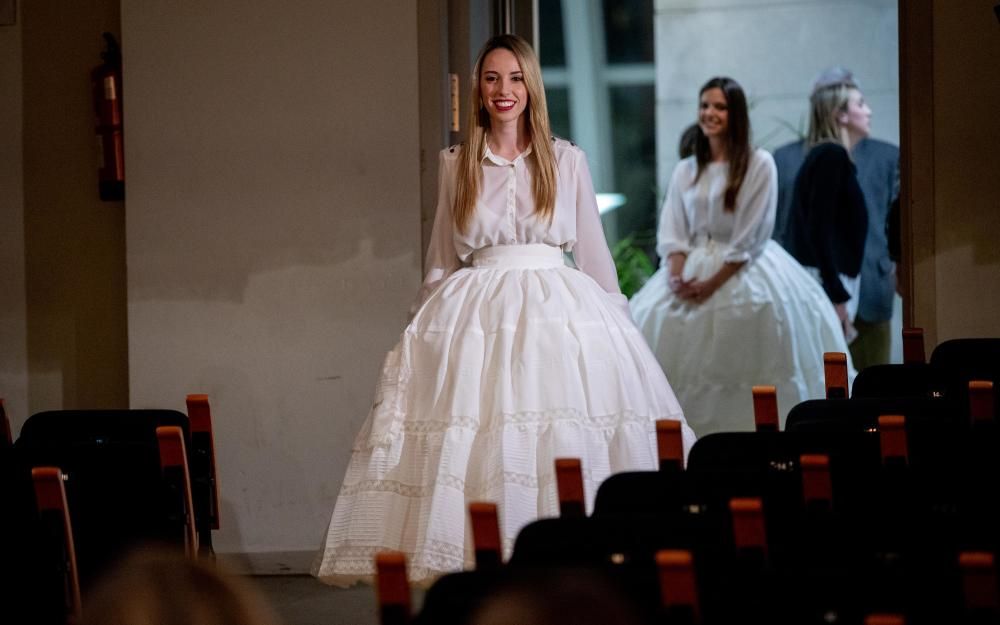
x,y
505,215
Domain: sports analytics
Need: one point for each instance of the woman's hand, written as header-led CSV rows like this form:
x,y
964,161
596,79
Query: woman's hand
x,y
677,284
850,332
841,309
698,290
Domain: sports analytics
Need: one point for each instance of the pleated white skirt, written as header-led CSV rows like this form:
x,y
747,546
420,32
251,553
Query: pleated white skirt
x,y
508,365
768,324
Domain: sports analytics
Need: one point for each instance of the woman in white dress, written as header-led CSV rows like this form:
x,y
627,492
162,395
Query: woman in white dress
x,y
512,359
729,308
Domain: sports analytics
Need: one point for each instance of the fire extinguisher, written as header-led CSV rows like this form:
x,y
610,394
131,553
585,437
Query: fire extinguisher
x,y
106,80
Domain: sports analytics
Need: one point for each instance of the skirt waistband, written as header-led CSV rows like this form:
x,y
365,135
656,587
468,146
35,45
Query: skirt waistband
x,y
529,256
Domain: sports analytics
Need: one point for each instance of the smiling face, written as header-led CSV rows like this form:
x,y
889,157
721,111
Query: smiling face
x,y
713,113
502,88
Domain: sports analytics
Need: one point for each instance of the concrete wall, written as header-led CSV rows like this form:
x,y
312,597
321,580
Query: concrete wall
x,y
774,49
13,305
273,234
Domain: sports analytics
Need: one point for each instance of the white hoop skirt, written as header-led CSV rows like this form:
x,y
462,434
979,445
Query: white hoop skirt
x,y
508,365
768,324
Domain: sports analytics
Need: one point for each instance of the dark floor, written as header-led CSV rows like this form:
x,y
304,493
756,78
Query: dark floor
x,y
302,600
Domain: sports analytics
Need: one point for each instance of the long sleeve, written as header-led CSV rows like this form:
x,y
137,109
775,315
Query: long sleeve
x,y
756,206
442,260
831,169
674,232
591,253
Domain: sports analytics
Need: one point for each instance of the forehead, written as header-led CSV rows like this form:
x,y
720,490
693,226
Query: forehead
x,y
501,60
713,94
854,95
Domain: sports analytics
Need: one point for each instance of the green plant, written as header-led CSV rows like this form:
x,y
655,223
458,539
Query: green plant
x,y
632,262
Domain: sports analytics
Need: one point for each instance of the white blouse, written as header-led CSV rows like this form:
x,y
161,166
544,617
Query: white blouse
x,y
693,212
505,215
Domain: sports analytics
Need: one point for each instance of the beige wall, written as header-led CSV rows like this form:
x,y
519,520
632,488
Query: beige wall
x,y
13,331
74,243
967,165
273,234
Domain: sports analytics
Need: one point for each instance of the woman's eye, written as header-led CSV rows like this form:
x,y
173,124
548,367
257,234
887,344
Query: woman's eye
x,y
517,78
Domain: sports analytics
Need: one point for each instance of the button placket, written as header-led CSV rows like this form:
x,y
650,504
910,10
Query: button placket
x,y
511,208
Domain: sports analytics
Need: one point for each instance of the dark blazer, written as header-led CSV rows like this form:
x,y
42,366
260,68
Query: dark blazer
x,y
877,164
787,159
828,223
878,175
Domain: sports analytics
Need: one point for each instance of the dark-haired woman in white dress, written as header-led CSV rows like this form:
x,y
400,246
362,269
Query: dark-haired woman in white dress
x,y
729,308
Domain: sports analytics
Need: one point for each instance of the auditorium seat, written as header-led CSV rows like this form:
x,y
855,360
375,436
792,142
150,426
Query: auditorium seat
x,y
678,587
569,487
486,542
57,552
967,359
835,375
392,588
30,580
204,475
900,380
975,358
928,419
122,488
765,408
914,351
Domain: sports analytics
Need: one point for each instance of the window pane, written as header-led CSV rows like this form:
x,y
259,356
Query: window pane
x,y
558,101
633,119
552,48
628,31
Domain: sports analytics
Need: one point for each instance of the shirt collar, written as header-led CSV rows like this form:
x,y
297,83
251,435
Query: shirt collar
x,y
499,160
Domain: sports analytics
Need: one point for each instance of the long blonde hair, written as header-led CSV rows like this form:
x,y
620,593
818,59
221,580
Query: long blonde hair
x,y
470,173
825,104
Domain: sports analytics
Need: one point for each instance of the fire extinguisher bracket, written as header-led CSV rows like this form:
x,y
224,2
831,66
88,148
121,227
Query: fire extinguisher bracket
x,y
106,82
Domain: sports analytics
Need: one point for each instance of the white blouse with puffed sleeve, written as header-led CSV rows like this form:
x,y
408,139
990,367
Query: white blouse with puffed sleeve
x,y
694,210
505,215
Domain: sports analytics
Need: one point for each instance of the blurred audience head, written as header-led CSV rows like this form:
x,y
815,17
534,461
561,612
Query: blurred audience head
x,y
161,587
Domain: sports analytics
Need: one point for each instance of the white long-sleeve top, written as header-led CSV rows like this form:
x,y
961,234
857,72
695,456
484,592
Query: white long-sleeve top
x,y
694,212
505,215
